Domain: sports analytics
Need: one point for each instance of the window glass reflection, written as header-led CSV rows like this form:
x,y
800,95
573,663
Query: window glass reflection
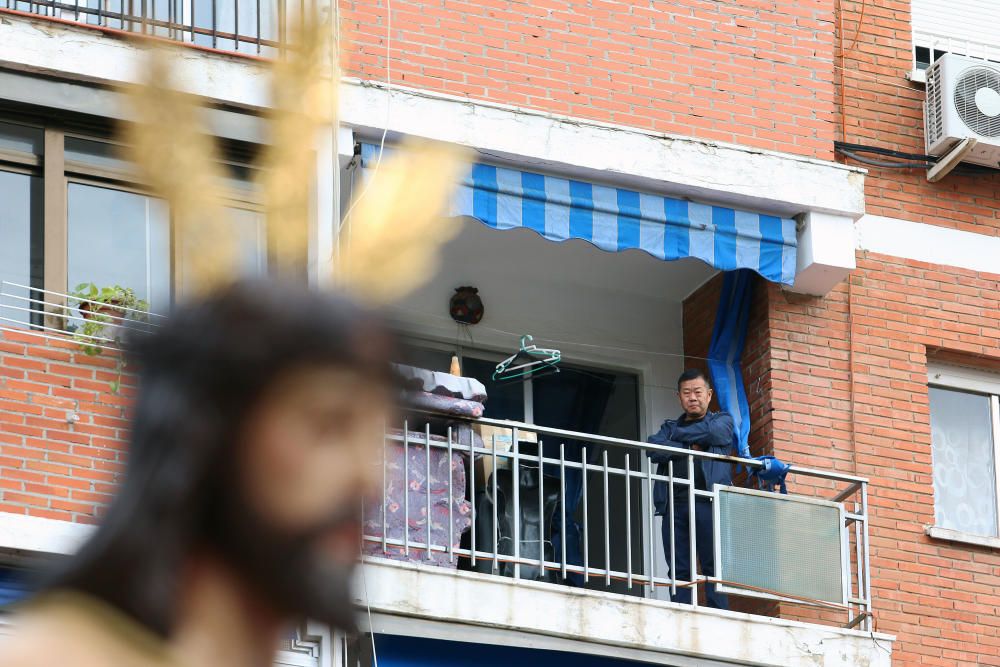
x,y
246,230
20,244
119,238
100,154
21,138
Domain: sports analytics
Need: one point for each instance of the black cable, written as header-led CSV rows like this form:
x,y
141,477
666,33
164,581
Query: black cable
x,y
884,163
861,148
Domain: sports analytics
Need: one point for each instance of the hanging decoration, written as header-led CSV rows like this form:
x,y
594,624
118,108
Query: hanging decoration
x,y
466,306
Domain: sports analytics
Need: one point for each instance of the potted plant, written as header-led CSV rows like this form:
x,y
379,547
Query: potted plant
x,y
103,309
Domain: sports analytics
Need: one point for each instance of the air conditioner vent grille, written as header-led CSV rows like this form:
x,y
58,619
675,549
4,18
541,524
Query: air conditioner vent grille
x,y
934,109
977,95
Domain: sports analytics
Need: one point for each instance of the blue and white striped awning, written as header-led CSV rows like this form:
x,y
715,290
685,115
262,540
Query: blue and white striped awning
x,y
615,219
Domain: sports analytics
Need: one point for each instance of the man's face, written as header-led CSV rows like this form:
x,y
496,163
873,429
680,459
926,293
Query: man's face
x,y
695,395
307,460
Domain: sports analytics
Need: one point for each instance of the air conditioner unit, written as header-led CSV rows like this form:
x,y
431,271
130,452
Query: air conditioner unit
x,y
963,101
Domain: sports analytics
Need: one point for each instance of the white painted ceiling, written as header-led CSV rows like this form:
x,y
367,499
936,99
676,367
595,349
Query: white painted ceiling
x,y
480,252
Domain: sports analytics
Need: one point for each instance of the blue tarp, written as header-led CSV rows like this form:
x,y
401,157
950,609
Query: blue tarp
x,y
725,352
397,651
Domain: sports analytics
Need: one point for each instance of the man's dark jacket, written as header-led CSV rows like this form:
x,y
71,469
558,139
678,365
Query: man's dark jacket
x,y
714,433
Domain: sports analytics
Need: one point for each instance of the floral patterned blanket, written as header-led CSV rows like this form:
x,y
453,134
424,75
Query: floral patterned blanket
x,y
408,494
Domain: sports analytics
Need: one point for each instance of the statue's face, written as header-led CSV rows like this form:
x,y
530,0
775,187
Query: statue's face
x,y
309,454
310,445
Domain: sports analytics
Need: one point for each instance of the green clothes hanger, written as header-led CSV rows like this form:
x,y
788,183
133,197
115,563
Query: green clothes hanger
x,y
527,361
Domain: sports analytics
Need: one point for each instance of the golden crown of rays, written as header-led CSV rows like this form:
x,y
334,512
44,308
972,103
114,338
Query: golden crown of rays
x,y
396,228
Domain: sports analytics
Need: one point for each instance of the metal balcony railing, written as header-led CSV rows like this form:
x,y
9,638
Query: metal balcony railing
x,y
53,315
937,45
454,500
252,27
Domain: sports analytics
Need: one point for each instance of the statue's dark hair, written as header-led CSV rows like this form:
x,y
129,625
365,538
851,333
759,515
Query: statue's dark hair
x,y
199,374
693,374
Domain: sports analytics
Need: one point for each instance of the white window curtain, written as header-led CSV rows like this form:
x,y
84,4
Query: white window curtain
x,y
962,444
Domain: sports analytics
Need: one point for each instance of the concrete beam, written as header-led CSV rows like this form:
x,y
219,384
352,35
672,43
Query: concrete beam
x,y
825,253
523,613
78,53
744,177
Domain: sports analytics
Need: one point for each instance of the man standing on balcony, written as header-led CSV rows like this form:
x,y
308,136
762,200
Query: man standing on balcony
x,y
701,431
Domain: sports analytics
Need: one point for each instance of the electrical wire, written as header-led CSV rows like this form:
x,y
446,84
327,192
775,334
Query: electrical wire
x,y
862,148
388,111
368,606
884,163
556,341
861,20
543,339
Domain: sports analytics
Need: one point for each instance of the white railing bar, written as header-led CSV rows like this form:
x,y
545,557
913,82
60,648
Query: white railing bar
x,y
508,559
633,444
63,316
69,296
69,310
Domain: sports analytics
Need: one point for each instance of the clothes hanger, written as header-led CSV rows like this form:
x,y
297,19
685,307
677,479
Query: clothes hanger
x,y
528,360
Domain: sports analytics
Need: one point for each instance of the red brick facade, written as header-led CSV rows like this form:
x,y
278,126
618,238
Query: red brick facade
x,y
838,382
62,429
850,392
758,73
845,388
882,108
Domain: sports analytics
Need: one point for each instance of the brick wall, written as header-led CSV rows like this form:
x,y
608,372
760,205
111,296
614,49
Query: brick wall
x,y
62,428
758,73
882,108
849,392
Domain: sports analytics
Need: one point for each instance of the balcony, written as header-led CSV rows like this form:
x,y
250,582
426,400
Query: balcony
x,y
535,531
604,488
251,27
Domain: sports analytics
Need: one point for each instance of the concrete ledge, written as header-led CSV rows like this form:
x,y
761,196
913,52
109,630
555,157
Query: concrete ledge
x,y
81,54
929,243
949,535
745,177
22,535
486,608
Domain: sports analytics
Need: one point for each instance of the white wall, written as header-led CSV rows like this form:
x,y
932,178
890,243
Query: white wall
x,y
602,309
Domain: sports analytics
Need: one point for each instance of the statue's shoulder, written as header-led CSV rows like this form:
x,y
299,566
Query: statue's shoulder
x,y
69,631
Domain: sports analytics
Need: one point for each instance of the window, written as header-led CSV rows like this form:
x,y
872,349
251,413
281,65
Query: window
x,y
577,398
88,220
965,448
117,237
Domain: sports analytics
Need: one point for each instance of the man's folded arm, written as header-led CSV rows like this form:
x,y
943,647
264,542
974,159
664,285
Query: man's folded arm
x,y
664,437
715,430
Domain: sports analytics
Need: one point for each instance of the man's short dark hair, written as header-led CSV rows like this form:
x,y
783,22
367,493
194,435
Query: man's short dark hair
x,y
693,374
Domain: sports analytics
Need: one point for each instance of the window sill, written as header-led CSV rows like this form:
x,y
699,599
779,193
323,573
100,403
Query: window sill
x,y
917,76
958,536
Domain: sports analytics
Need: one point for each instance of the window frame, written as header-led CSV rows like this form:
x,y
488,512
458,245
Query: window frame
x,y
985,383
57,173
